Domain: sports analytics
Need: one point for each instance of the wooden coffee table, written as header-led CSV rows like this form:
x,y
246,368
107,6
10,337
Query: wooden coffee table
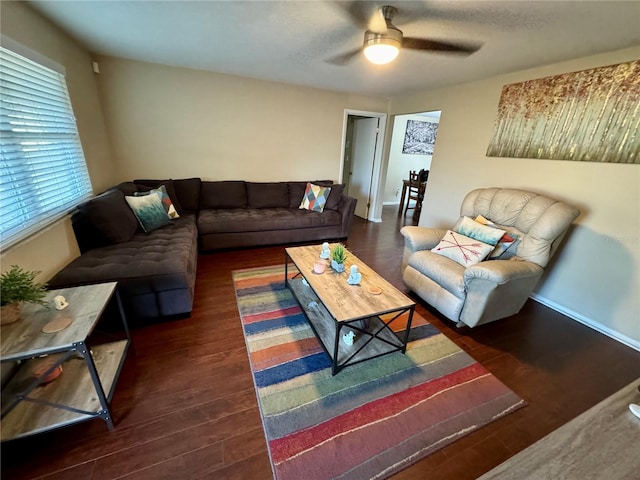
x,y
335,308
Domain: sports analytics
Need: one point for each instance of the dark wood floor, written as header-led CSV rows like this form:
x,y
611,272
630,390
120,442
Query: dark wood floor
x,y
185,407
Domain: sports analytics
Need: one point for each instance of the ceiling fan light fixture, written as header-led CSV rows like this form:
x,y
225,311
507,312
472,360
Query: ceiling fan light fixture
x,y
381,53
382,48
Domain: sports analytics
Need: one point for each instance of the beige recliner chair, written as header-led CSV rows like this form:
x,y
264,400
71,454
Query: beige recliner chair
x,y
494,288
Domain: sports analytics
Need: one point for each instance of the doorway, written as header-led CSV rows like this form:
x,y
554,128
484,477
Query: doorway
x,y
363,136
403,158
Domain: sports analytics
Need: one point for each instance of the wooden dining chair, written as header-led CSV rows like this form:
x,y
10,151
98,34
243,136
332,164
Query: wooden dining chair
x,y
413,190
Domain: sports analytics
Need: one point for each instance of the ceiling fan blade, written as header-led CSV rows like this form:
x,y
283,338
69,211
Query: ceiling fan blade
x,y
377,22
358,12
437,46
344,58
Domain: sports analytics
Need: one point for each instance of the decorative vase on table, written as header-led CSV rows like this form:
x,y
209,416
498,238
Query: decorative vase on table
x,y
10,313
338,267
338,257
18,286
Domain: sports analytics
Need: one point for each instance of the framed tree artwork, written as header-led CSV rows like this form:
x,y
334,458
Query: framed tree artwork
x,y
420,137
588,116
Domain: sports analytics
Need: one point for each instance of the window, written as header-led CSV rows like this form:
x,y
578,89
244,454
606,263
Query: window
x,y
43,174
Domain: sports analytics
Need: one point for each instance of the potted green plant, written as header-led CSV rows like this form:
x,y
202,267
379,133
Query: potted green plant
x,y
339,255
18,286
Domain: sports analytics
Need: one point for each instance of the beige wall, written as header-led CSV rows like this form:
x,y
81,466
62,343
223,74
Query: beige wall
x,y
54,247
595,277
176,122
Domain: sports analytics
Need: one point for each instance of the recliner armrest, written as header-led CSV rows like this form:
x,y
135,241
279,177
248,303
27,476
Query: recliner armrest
x,y
421,238
502,271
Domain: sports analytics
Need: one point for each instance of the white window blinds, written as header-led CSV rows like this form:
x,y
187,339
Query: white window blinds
x,y
43,174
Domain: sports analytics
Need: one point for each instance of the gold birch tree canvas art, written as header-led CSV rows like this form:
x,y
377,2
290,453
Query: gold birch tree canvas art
x,y
589,116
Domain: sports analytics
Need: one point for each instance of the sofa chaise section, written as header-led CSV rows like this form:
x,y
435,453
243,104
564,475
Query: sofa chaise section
x,y
155,271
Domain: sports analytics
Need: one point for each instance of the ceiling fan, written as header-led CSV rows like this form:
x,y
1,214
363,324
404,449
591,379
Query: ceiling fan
x,y
383,40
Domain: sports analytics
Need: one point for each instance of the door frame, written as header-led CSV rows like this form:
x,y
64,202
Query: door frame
x,y
377,158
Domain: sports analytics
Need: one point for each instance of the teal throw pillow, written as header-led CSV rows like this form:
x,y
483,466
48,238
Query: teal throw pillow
x,y
506,241
479,232
164,197
149,211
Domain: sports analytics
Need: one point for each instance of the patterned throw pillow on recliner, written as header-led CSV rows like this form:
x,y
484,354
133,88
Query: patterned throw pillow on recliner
x,y
462,249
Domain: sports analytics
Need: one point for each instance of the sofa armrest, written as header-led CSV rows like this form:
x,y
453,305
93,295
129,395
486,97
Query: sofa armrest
x,y
502,271
347,208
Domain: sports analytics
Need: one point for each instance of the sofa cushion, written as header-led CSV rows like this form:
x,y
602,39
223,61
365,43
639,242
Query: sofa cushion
x,y
334,196
110,215
188,193
296,191
130,188
235,220
267,195
224,194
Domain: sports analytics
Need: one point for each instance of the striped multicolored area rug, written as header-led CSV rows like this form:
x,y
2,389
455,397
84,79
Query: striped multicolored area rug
x,y
370,420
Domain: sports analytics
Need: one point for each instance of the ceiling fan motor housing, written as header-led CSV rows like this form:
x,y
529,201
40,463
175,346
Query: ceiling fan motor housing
x,y
392,37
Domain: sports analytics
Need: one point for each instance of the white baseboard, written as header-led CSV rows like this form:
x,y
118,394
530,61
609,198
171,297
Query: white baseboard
x,y
630,342
390,203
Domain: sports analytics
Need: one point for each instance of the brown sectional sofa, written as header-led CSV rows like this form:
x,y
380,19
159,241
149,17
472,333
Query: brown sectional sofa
x,y
156,271
243,214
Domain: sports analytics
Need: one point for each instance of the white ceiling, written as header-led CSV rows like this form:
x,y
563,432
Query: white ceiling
x,y
290,41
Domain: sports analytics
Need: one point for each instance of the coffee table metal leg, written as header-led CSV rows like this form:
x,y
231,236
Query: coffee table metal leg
x,y
286,270
406,332
336,345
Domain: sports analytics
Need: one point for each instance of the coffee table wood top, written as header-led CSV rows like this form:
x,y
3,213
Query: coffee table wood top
x,y
348,302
